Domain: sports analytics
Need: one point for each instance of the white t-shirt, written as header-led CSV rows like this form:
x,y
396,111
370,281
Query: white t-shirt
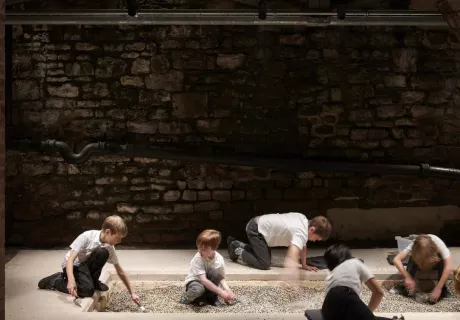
x,y
85,244
199,266
352,273
442,248
282,230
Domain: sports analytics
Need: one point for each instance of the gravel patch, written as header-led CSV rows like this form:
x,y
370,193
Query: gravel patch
x,y
257,297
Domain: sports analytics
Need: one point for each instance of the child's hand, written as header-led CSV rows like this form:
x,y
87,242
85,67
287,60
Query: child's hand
x,y
410,284
135,298
310,268
232,295
435,294
227,296
72,287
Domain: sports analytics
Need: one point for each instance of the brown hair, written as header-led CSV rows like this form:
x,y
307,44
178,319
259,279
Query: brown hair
x,y
116,225
209,238
425,252
322,226
456,279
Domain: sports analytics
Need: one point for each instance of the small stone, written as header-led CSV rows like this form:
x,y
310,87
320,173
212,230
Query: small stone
x,y
65,91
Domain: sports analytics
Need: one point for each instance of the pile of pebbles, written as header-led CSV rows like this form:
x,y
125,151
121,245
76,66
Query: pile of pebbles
x,y
259,297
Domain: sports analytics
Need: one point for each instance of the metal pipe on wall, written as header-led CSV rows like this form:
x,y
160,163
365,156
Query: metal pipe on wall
x,y
215,17
291,164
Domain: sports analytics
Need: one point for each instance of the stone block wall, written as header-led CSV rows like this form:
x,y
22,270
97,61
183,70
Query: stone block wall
x,y
376,95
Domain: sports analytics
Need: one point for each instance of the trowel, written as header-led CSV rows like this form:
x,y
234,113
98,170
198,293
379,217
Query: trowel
x,y
77,302
141,307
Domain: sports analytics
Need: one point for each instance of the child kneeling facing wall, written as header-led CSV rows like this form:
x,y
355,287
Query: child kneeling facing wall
x,y
207,272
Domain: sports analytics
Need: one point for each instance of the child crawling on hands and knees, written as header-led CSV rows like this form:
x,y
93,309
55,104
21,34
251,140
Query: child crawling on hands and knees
x,y
207,272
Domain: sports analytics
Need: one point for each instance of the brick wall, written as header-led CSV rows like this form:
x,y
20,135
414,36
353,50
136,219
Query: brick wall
x,y
357,94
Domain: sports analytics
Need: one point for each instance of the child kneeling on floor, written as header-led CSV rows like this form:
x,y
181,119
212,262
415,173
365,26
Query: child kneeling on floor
x,y
427,252
207,272
344,284
84,261
292,230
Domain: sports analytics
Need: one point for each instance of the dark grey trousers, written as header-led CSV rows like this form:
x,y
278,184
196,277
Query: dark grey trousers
x,y
256,254
194,289
86,274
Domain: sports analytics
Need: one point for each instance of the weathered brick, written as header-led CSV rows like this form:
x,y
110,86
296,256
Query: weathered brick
x,y
190,195
172,195
206,206
221,195
183,208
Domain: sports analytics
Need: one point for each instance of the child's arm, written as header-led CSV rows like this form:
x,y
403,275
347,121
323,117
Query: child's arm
x,y
303,260
71,284
212,287
397,262
124,277
377,293
224,285
445,275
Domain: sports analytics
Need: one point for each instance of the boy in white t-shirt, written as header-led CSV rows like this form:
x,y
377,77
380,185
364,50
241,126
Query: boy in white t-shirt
x,y
291,230
427,252
207,272
84,261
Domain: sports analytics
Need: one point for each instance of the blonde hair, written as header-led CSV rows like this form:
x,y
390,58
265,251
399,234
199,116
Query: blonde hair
x,y
322,226
456,279
116,225
425,252
209,238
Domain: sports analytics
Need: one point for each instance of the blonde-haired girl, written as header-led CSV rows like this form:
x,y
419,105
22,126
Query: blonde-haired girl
x,y
427,252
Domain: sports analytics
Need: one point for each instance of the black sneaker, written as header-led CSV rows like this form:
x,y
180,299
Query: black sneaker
x,y
101,286
184,300
238,244
48,282
231,251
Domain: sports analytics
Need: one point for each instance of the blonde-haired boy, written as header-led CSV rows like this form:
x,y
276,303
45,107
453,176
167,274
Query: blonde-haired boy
x,y
207,272
83,263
